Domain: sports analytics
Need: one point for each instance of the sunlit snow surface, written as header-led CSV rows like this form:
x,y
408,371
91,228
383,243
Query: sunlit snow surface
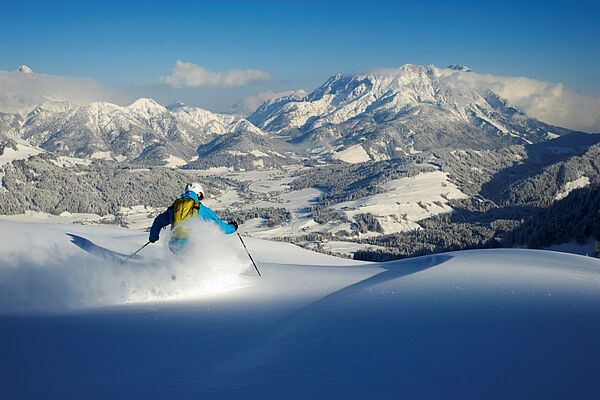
x,y
74,324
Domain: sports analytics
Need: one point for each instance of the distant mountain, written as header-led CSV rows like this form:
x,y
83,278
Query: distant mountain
x,y
247,147
144,131
396,112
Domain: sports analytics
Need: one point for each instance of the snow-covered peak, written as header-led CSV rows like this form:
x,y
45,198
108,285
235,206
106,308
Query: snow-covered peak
x,y
377,83
390,91
24,69
145,104
246,126
217,123
343,97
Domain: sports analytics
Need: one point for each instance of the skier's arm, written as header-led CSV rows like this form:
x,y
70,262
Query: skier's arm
x,y
160,222
208,215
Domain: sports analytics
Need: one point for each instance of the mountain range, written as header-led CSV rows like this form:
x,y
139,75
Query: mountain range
x,y
122,133
352,118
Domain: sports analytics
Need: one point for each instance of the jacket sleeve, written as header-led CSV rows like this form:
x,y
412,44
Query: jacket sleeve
x,y
162,220
208,215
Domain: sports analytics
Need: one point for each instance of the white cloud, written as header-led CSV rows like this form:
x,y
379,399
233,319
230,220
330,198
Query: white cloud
x,y
20,91
552,103
192,75
250,103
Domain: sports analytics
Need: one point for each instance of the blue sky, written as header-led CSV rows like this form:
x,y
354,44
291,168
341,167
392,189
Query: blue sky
x,y
133,44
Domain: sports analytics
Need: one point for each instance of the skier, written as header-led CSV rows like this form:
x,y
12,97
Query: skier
x,y
186,206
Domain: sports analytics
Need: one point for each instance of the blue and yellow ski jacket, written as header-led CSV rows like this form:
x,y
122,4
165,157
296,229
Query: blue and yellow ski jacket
x,y
204,213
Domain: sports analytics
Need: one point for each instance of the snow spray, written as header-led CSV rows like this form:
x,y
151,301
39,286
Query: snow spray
x,y
59,276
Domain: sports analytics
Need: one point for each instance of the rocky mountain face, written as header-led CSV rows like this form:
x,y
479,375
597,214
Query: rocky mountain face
x,y
393,113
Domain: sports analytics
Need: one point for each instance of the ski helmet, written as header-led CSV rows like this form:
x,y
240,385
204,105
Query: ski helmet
x,y
196,188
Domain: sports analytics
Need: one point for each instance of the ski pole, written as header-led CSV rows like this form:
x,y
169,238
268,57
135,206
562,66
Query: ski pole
x,y
134,253
247,252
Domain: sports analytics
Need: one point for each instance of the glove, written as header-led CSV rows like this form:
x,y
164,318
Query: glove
x,y
234,224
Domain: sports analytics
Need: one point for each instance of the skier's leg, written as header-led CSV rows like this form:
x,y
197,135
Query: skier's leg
x,y
177,245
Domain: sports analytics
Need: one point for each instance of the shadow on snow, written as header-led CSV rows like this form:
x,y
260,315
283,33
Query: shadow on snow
x,y
392,270
98,251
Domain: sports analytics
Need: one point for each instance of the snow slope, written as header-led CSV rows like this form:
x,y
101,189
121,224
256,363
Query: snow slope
x,y
474,324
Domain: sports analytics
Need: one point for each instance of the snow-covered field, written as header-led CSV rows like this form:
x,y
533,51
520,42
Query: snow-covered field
x,y
74,324
23,151
406,200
